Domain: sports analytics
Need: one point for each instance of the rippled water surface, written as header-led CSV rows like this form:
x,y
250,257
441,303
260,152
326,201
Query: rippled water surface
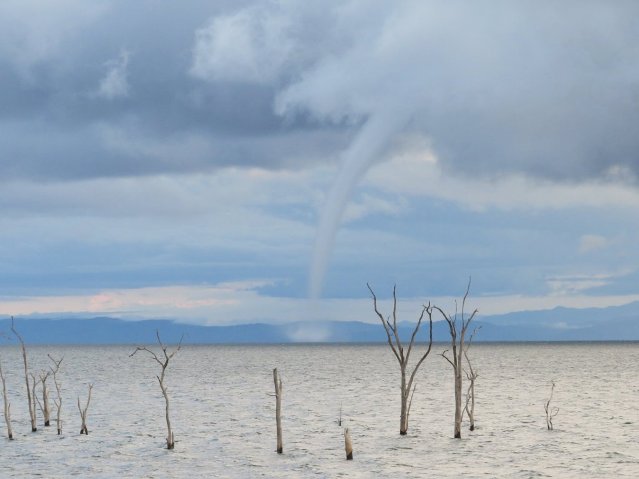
x,y
223,414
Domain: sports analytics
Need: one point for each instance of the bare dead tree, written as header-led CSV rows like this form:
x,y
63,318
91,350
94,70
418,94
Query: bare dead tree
x,y
44,405
457,327
83,412
339,420
32,406
403,355
164,363
278,410
471,375
551,412
7,404
58,400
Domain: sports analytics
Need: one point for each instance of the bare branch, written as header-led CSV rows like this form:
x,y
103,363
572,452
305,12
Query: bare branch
x,y
449,321
385,323
430,345
143,348
410,403
443,355
412,338
465,296
397,339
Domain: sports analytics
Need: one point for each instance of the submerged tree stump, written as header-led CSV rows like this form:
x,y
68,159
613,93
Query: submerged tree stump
x,y
348,445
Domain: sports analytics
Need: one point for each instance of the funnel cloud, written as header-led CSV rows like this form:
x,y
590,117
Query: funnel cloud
x,y
493,139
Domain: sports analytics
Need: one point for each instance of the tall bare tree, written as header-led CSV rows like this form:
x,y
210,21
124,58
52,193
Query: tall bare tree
x,y
402,355
83,412
457,327
7,404
32,406
58,400
163,361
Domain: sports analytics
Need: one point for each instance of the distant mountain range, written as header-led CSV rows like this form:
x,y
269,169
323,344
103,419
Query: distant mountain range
x,y
559,324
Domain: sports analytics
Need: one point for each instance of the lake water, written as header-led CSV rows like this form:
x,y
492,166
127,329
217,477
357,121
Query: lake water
x,y
223,414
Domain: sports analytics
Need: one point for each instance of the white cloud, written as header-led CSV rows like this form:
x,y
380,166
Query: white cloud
x,y
115,83
254,213
570,285
415,170
241,302
251,45
368,204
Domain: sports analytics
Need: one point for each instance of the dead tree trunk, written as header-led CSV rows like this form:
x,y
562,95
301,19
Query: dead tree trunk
x,y
83,413
471,375
348,445
58,400
44,405
7,404
32,408
551,412
164,363
457,336
278,410
34,385
403,356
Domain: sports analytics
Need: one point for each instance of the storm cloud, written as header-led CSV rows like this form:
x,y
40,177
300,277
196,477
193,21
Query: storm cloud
x,y
109,88
498,87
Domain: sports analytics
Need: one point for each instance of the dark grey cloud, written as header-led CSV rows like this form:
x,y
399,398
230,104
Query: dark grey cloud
x,y
544,89
111,93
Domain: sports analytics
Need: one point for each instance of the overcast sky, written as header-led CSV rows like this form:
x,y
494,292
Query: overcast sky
x,y
237,161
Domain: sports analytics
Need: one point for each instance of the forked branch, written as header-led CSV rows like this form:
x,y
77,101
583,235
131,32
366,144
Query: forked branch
x,y
83,412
